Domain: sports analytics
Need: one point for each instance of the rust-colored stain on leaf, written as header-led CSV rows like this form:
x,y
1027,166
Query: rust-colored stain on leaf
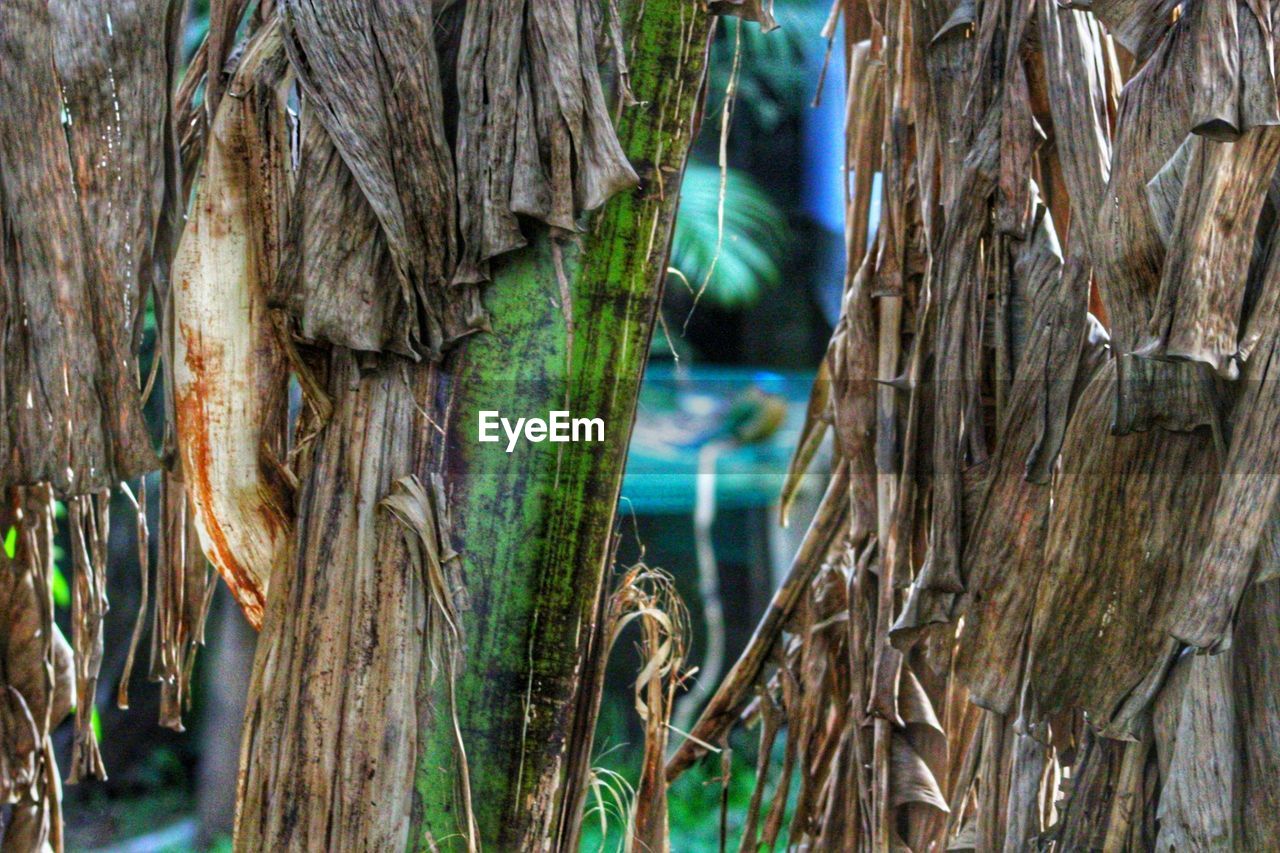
x,y
229,367
192,414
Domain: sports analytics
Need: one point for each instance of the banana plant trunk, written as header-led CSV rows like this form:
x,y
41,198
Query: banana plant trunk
x,y
384,713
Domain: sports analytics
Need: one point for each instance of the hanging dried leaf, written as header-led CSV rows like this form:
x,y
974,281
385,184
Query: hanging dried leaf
x,y
54,427
1202,290
913,782
1256,668
534,136
1115,558
1197,802
1138,25
1100,486
1128,254
184,591
36,675
229,370
817,420
648,597
1244,506
370,73
89,188
852,368
116,63
335,265
89,527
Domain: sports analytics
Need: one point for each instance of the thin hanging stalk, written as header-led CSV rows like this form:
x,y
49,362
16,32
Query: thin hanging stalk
x,y
704,513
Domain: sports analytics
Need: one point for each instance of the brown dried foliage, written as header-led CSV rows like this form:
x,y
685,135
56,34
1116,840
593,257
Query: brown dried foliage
x,y
363,224
1055,625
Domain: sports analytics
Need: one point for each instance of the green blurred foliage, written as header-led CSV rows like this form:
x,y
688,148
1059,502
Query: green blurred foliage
x,y
774,81
61,589
744,260
694,802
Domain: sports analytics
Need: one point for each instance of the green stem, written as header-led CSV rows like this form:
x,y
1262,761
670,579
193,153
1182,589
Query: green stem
x,y
534,526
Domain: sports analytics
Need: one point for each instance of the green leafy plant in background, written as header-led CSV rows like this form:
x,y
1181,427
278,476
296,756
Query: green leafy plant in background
x,y
694,802
61,591
774,80
746,259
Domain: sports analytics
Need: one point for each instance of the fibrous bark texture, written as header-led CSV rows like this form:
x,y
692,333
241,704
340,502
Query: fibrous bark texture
x,y
35,674
86,180
89,192
355,174
1051,632
445,592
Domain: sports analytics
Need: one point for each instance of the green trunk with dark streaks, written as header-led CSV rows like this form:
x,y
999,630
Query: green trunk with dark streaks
x,y
534,526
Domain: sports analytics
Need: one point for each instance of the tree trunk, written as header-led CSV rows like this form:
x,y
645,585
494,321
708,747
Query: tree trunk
x,y
1067,503
362,729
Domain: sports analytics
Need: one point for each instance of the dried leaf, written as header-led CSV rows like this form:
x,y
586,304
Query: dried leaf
x,y
54,423
370,73
89,526
1115,556
534,136
1198,309
1197,801
229,370
116,63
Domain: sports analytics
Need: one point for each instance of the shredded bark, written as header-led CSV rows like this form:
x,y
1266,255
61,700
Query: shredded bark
x,y
376,571
366,189
35,674
1069,306
89,525
442,193
183,594
425,518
